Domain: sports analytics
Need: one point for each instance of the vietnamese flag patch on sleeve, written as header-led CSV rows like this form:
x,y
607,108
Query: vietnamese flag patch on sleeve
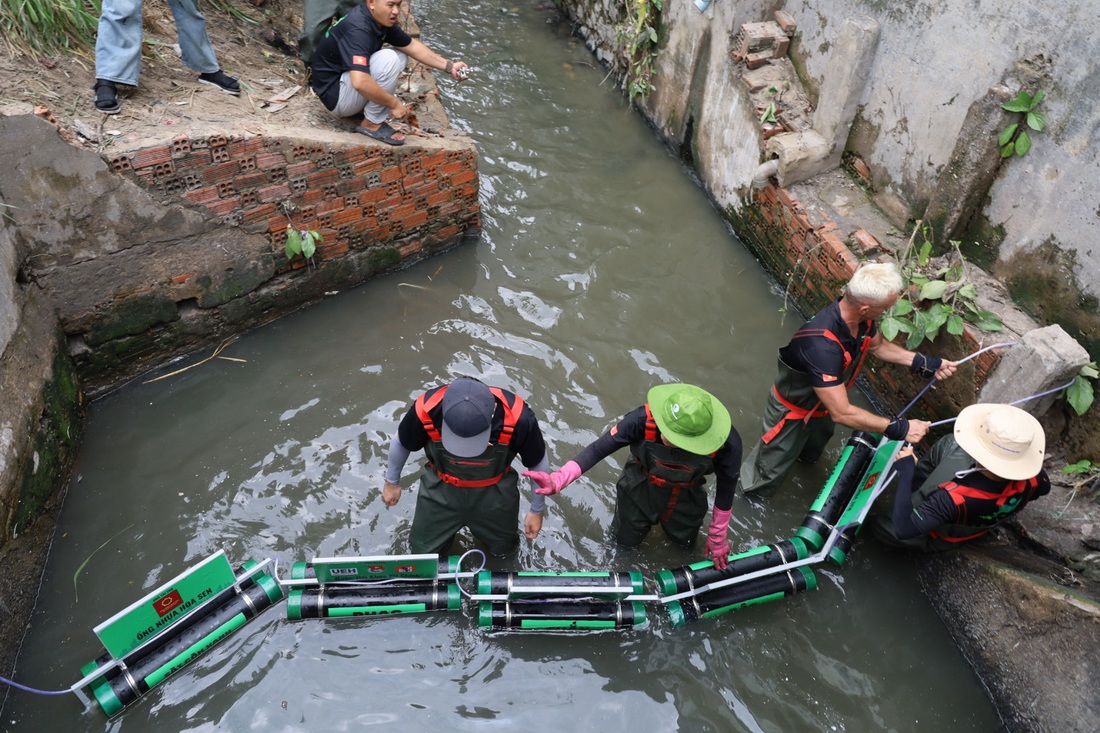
x,y
828,378
359,60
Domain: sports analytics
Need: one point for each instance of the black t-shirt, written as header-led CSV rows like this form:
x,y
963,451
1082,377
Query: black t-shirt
x,y
631,429
940,509
820,356
348,46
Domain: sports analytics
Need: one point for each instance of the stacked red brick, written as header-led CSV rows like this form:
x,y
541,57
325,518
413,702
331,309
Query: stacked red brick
x,y
354,197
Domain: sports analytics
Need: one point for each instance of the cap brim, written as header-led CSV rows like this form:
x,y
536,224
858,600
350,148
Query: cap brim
x,y
966,435
704,444
470,447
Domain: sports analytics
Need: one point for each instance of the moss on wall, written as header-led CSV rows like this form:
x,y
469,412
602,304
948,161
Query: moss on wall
x,y
131,316
981,242
56,436
1044,283
234,282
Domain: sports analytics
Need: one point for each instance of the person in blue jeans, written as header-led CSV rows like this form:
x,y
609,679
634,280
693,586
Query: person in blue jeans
x,y
118,49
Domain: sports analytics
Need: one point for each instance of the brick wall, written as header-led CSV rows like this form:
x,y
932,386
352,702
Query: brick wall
x,y
809,256
354,197
184,285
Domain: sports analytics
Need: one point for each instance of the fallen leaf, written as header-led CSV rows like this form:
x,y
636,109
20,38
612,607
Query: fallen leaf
x,y
286,94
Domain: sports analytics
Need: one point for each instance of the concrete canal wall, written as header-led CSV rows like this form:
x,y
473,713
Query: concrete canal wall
x,y
161,250
924,119
113,265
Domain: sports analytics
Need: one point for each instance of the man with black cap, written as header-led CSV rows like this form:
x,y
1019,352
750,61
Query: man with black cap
x,y
470,434
682,434
969,482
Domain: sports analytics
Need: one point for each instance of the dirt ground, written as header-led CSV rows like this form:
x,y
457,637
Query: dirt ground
x,y
169,101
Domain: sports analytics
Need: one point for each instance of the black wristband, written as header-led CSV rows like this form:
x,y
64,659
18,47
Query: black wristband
x,y
450,66
897,429
925,365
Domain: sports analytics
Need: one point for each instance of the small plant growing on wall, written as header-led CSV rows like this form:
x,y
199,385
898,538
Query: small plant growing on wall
x,y
934,299
640,36
1080,394
1015,139
302,242
1084,473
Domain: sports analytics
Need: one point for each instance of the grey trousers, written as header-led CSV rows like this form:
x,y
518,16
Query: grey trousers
x,y
385,68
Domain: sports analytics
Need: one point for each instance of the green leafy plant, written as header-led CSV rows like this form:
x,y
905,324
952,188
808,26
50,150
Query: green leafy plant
x,y
302,242
640,35
934,299
768,115
1080,394
1085,472
46,26
1015,139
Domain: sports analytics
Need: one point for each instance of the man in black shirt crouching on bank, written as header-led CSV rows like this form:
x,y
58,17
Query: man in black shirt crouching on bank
x,y
353,73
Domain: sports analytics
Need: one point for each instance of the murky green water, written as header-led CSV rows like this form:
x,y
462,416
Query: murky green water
x,y
603,270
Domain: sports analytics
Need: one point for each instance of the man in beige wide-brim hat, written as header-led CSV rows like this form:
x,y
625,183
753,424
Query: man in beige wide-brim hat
x,y
969,482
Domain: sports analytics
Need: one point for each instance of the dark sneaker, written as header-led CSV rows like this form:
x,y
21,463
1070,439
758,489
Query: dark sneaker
x,y
221,81
106,97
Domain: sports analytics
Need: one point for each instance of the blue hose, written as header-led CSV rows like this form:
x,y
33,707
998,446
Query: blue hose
x,y
961,361
18,686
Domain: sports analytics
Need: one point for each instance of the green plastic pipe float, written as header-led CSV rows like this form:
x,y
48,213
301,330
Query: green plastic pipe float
x,y
175,624
772,572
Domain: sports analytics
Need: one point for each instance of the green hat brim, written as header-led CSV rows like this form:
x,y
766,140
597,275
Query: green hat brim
x,y
704,444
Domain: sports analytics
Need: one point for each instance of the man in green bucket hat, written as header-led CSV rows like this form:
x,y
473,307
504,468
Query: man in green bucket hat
x,y
679,436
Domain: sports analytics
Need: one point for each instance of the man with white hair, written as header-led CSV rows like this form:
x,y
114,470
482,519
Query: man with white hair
x,y
816,370
969,482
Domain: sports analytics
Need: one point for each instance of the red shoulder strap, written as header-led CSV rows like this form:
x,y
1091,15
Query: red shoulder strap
x,y
511,415
424,406
650,425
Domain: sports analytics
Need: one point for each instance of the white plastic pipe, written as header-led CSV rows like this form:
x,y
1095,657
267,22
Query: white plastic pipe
x,y
764,171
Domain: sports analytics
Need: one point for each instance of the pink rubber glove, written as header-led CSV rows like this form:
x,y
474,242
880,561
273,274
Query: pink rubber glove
x,y
552,483
718,549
